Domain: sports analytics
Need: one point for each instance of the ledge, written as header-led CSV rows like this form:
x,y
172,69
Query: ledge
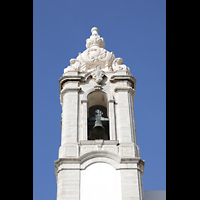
x,y
69,88
96,142
128,89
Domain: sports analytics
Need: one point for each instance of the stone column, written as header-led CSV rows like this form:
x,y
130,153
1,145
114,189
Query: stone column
x,y
84,118
112,125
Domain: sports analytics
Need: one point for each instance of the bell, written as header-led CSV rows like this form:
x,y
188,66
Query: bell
x,y
98,128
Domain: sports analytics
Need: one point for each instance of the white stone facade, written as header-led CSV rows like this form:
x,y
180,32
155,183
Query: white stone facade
x,y
96,77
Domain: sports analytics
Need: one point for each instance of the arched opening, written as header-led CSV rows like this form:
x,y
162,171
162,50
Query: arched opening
x,y
98,120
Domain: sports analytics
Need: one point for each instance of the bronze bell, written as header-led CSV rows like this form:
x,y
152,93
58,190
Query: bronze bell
x,y
98,128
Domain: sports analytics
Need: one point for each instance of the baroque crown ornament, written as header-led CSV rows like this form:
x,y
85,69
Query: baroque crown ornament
x,y
94,55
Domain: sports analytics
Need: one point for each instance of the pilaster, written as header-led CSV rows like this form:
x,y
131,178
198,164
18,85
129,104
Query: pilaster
x,y
112,130
70,100
124,114
68,184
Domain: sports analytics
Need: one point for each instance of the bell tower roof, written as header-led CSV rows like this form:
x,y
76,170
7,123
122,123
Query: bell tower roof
x,y
94,55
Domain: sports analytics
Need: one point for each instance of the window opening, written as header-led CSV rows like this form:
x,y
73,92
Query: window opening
x,y
98,123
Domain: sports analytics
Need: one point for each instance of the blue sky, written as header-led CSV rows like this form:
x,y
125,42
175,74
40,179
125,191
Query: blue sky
x,y
134,30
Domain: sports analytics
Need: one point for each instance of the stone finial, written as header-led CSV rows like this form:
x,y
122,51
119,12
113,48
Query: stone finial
x,y
95,39
94,31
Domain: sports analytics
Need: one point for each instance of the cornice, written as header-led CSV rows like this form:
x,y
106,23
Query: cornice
x,y
64,79
71,89
95,142
126,89
81,162
129,78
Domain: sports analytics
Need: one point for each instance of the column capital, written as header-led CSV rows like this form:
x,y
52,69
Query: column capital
x,y
64,79
68,89
124,89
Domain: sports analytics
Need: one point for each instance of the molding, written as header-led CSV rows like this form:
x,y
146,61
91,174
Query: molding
x,y
64,79
111,101
129,78
100,159
125,89
92,157
96,142
97,88
71,89
84,101
99,154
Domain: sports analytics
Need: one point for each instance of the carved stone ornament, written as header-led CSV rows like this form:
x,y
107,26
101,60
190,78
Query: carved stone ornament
x,y
118,65
98,74
95,39
94,55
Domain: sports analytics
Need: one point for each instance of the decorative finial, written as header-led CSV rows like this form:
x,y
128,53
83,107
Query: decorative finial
x,y
94,31
95,39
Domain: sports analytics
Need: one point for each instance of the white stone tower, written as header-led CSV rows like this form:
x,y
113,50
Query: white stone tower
x,y
98,158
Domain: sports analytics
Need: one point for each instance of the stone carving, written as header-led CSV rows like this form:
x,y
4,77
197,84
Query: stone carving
x,y
98,74
94,55
95,39
118,65
74,65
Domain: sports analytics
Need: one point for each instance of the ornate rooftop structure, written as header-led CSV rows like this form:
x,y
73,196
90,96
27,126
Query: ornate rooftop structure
x,y
94,55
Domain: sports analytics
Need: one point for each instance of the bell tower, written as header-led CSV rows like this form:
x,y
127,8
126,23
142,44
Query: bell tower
x,y
98,158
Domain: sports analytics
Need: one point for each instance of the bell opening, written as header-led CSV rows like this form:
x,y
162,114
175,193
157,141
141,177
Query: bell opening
x,y
98,123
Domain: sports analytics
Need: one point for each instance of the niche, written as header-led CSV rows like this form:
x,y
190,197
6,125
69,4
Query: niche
x,y
98,121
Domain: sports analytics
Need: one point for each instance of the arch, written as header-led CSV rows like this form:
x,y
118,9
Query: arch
x,y
100,157
110,111
99,89
97,98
